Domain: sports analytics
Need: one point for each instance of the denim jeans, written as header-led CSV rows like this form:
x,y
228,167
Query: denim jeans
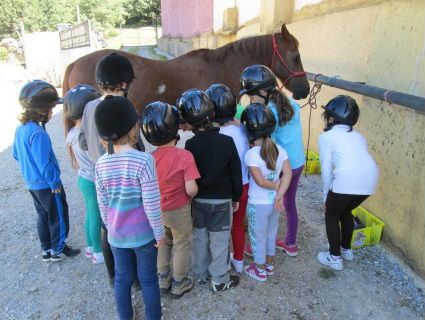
x,y
137,262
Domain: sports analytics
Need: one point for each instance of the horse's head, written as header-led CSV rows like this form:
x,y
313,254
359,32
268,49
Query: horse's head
x,y
286,64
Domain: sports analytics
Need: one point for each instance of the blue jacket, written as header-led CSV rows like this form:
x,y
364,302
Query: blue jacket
x,y
33,150
290,135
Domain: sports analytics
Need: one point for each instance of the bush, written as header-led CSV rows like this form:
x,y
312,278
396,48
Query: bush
x,y
4,54
112,33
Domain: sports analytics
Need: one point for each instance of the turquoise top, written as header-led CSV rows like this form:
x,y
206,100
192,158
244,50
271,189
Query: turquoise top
x,y
290,135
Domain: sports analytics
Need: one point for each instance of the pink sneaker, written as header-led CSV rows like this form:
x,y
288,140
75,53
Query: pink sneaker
x,y
291,250
88,251
269,269
255,273
248,250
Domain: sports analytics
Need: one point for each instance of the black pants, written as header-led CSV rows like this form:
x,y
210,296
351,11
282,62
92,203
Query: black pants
x,y
338,211
53,219
107,254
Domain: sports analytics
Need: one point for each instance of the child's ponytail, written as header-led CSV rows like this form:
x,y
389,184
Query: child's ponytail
x,y
284,108
269,153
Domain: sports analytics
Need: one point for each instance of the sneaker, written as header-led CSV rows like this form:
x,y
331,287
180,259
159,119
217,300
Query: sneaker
x,y
237,264
45,254
88,251
332,262
98,258
269,269
164,280
291,250
248,250
255,273
67,252
347,254
179,288
232,282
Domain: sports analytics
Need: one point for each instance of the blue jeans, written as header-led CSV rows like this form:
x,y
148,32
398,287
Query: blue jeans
x,y
137,262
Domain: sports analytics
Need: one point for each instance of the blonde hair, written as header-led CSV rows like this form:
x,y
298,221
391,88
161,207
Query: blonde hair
x,y
37,115
269,153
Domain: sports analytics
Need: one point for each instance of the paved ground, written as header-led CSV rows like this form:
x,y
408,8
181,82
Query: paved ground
x,y
376,285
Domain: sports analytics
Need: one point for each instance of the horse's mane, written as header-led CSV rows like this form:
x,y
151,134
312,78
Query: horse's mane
x,y
259,47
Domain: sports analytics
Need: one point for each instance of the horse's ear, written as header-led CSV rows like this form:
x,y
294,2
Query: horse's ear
x,y
285,32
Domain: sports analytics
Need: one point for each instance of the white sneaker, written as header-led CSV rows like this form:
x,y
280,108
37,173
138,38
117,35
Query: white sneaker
x,y
326,259
347,254
237,264
98,258
88,251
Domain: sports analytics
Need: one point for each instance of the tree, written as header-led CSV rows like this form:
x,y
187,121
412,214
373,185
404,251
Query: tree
x,y
143,12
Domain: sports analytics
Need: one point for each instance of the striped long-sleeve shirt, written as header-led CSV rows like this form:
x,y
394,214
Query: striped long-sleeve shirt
x,y
129,198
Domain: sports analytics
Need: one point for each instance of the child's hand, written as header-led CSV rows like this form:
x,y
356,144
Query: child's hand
x,y
57,190
235,206
278,204
159,243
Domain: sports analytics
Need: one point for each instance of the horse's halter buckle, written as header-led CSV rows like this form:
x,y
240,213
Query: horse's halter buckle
x,y
291,73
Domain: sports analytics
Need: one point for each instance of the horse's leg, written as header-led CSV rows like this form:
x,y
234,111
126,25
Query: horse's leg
x,y
65,83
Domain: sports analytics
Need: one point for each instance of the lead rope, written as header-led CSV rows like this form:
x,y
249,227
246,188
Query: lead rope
x,y
313,105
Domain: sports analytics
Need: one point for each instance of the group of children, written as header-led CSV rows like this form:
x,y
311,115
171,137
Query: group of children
x,y
150,215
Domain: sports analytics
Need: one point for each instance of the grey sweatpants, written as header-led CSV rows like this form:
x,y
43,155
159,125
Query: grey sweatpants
x,y
212,220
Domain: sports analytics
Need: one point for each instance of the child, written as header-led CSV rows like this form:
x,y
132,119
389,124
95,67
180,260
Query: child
x,y
220,186
74,103
260,84
265,161
32,149
225,110
349,176
177,173
129,203
114,75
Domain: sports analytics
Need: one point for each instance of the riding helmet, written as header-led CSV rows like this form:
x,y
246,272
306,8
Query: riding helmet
x,y
255,78
343,109
258,120
114,117
195,107
76,99
113,69
38,94
160,123
224,102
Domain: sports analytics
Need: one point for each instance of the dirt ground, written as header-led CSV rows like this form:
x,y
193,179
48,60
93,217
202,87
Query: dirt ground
x,y
376,285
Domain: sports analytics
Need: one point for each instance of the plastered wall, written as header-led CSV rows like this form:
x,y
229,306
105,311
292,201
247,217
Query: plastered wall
x,y
382,45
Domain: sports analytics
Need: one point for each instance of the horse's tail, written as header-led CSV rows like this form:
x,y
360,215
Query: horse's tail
x,y
65,83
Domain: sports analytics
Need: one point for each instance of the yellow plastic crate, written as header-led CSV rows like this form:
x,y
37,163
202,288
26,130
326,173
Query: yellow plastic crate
x,y
371,233
312,165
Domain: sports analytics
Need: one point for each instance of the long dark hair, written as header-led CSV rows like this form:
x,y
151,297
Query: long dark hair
x,y
284,108
67,126
269,153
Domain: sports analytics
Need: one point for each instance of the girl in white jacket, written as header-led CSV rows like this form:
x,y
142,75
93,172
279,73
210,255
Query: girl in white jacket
x,y
349,176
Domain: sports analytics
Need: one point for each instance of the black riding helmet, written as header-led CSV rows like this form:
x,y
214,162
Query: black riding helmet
x,y
258,120
343,109
195,107
76,99
160,123
38,94
255,78
114,69
114,117
224,102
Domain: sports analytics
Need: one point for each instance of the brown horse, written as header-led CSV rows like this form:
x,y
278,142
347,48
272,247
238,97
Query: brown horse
x,y
166,80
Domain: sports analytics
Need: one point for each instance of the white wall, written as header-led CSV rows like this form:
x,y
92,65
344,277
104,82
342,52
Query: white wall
x,y
299,4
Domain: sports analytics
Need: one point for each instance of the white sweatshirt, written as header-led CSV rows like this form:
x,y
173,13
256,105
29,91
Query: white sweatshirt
x,y
347,166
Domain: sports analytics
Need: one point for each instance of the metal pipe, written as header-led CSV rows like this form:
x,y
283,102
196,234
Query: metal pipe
x,y
390,96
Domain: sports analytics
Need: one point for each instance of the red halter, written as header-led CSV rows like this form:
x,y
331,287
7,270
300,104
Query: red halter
x,y
291,73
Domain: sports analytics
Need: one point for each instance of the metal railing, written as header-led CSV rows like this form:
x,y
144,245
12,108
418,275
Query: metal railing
x,y
393,97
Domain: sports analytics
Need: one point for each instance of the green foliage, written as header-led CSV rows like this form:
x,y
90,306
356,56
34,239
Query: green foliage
x,y
44,15
4,54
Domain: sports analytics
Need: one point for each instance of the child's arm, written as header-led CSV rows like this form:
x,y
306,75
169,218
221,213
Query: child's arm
x,y
261,181
152,198
15,153
191,188
325,152
41,149
285,180
102,199
236,172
